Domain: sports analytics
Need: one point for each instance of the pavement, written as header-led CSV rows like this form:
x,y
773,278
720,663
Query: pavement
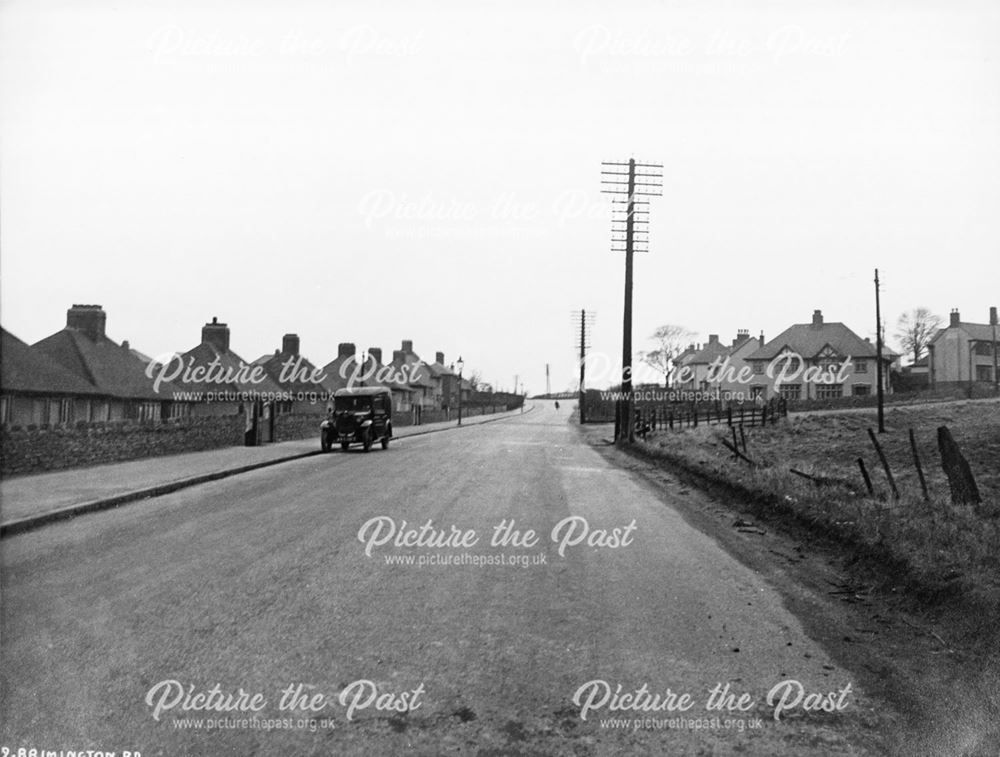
x,y
32,501
500,590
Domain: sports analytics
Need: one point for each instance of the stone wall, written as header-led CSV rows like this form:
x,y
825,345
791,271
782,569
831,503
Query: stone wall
x,y
33,449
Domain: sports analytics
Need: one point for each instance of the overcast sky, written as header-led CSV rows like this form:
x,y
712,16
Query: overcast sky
x,y
372,172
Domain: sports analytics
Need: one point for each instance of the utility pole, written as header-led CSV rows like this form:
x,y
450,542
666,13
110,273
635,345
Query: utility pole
x,y
878,352
647,181
996,374
581,320
548,384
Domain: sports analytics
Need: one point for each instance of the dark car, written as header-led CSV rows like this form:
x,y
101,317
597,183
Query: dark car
x,y
360,416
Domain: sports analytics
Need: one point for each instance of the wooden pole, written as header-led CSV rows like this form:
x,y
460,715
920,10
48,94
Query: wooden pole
x,y
866,477
920,468
885,463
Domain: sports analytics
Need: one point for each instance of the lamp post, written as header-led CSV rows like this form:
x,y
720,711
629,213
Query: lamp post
x,y
459,364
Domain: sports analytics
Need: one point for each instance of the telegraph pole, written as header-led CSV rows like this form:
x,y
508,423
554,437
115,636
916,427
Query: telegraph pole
x,y
878,351
548,384
996,374
582,319
631,183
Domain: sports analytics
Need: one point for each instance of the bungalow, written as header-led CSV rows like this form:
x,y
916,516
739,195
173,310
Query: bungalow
x,y
818,360
84,349
964,353
308,387
220,381
36,390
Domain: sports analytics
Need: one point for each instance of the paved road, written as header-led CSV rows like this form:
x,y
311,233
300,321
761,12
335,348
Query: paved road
x,y
260,582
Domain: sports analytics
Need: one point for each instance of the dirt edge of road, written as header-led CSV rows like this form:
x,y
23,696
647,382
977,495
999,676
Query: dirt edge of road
x,y
932,656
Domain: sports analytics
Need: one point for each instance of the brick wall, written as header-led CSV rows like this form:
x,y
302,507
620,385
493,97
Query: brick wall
x,y
32,449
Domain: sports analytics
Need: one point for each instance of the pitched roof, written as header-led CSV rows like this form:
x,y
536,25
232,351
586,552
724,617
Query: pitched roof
x,y
709,352
111,368
275,364
26,369
230,365
809,339
981,332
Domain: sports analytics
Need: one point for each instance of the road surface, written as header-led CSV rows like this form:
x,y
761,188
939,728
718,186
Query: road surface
x,y
291,611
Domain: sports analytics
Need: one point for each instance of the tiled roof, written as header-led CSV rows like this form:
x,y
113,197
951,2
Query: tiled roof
x,y
26,369
808,340
981,332
111,368
229,365
275,363
708,353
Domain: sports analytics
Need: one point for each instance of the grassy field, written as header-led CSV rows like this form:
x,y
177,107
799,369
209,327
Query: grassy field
x,y
942,547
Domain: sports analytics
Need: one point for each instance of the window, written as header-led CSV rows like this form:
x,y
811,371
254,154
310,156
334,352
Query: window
x,y
861,366
5,409
984,373
758,368
861,390
983,349
829,391
790,391
66,411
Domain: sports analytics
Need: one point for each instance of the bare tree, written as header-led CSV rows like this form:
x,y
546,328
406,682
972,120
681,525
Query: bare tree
x,y
915,329
671,341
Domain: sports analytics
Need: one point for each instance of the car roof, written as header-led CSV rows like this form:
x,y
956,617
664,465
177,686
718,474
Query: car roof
x,y
362,391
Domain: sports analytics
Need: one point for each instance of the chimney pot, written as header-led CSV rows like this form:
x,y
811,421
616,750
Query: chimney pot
x,y
290,344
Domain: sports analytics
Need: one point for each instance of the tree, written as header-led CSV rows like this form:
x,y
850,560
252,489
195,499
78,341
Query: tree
x,y
671,341
915,329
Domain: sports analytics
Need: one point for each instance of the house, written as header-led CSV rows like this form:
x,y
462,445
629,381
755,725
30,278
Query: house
x,y
220,381
306,386
964,353
696,364
817,360
350,369
446,383
426,390
730,372
84,349
36,390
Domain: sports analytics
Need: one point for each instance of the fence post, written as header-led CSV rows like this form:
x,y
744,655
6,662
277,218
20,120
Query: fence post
x,y
920,468
885,463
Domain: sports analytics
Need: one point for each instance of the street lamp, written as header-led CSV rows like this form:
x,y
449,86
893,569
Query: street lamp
x,y
460,365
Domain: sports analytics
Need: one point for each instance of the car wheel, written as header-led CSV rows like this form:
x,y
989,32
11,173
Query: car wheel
x,y
344,446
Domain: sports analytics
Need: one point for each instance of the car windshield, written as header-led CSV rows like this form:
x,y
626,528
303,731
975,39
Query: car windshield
x,y
352,404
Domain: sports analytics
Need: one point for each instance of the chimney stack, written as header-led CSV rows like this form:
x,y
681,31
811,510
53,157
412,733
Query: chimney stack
x,y
956,319
345,349
290,344
817,318
439,358
398,356
376,353
761,338
993,316
90,319
742,335
407,345
216,334
713,338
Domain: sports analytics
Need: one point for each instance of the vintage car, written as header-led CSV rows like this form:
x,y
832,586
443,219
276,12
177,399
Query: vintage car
x,y
359,416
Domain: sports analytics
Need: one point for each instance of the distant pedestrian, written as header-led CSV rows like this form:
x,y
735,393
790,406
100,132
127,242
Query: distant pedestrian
x,y
557,404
